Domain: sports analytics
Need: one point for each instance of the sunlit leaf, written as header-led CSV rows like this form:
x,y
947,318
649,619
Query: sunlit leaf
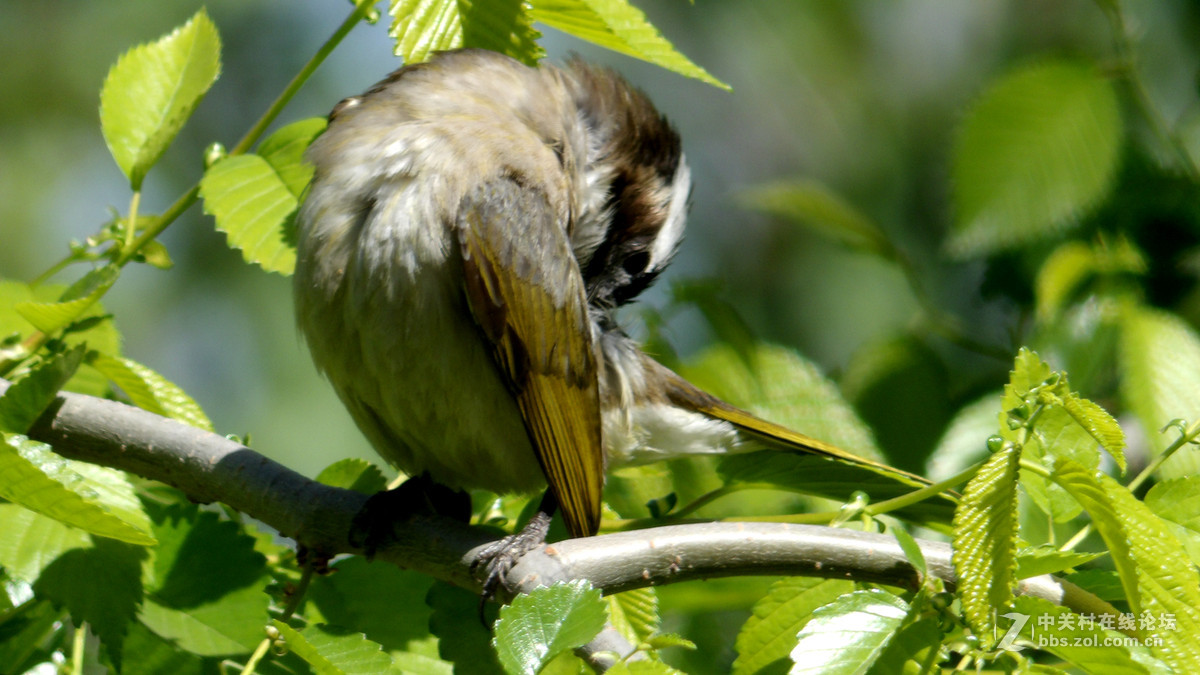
x,y
1160,364
1157,576
252,204
546,622
619,26
848,634
151,391
89,497
153,89
421,27
985,540
335,651
769,635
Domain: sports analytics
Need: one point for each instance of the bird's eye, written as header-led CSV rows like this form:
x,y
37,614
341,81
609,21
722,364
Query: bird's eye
x,y
635,263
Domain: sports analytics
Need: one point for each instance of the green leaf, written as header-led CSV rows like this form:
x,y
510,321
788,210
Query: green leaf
x,y
385,603
28,636
30,541
813,204
147,654
1056,436
546,622
619,26
100,333
642,668
252,205
27,398
150,391
964,442
768,636
912,550
153,89
848,634
1037,560
421,27
1160,364
1037,151
1099,424
1083,644
355,474
284,151
1074,262
1157,576
206,587
1177,501
100,584
335,651
50,317
985,541
913,651
86,496
187,632
781,386
462,638
634,613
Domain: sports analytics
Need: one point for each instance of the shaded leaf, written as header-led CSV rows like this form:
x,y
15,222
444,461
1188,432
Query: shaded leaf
x,y
152,90
100,333
1037,151
206,587
385,603
815,205
100,584
462,638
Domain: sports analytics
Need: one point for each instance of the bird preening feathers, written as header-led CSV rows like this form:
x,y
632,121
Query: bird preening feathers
x,y
472,226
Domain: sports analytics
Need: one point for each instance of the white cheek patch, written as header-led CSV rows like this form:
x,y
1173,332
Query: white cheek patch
x,y
672,230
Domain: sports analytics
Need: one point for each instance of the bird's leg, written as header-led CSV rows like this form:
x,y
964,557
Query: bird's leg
x,y
372,527
500,556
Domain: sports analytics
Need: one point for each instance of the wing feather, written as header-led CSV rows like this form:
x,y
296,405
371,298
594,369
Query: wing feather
x,y
527,295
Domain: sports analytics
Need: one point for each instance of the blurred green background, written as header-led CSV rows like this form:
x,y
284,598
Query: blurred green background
x,y
862,96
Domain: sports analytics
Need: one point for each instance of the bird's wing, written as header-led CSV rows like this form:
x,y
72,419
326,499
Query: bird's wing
x,y
527,295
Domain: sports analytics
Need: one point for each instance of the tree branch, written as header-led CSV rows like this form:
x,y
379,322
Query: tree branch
x,y
209,467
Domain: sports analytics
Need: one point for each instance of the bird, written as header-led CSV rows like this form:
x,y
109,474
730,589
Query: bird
x,y
472,226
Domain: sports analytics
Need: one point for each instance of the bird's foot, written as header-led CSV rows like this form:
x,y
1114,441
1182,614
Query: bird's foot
x,y
373,526
499,557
